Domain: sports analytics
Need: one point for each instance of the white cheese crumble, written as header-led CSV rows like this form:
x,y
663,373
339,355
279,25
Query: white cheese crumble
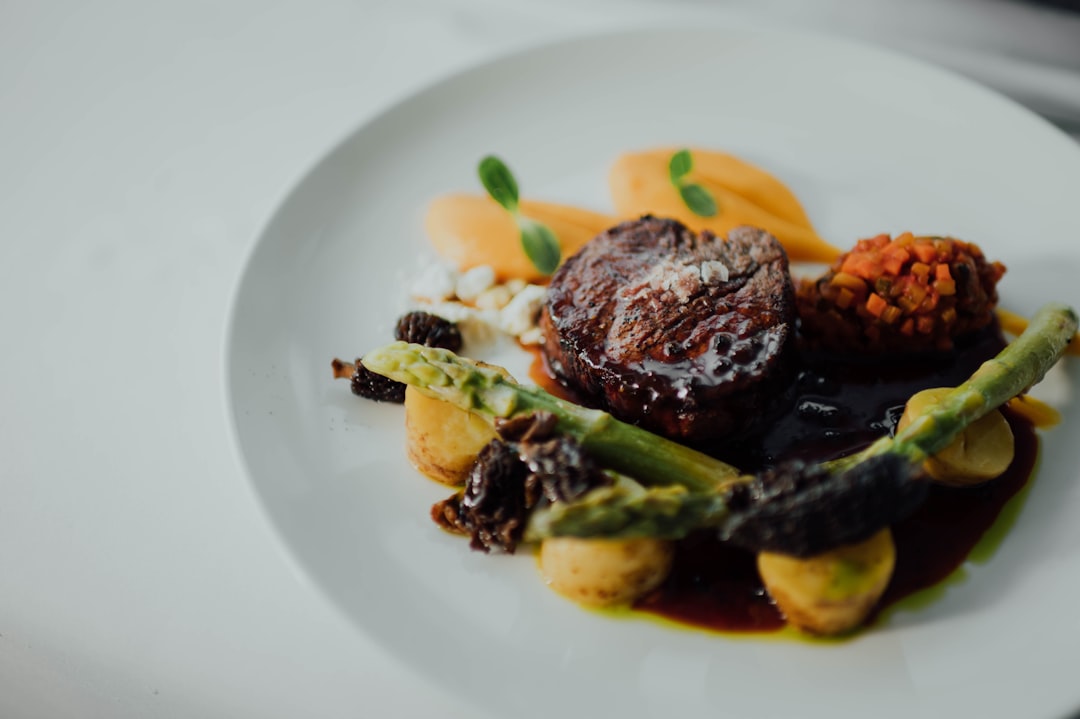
x,y
473,282
435,283
481,307
521,313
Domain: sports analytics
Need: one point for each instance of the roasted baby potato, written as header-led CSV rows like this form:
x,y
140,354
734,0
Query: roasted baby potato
x,y
830,593
442,440
604,572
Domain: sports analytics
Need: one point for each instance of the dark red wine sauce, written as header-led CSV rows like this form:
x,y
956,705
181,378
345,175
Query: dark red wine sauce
x,y
839,407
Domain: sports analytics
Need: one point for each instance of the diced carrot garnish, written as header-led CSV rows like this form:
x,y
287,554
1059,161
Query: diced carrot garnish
x,y
916,293
891,314
893,262
908,327
925,324
941,272
846,279
945,288
876,304
924,251
861,265
844,298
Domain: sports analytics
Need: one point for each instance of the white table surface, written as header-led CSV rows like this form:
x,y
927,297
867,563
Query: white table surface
x,y
142,147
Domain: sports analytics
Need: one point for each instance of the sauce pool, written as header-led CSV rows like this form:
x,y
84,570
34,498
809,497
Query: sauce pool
x,y
839,406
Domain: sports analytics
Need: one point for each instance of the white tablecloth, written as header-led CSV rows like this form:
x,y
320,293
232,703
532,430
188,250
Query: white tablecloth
x,y
142,146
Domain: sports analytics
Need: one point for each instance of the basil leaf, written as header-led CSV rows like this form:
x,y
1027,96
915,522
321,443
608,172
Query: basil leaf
x,y
679,166
540,245
499,182
698,199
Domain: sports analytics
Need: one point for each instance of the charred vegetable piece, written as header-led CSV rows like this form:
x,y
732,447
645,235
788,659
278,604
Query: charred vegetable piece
x,y
804,510
511,476
367,384
429,330
796,509
419,327
494,506
902,294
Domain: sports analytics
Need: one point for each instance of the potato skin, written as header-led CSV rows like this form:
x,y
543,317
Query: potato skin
x,y
442,440
833,592
604,572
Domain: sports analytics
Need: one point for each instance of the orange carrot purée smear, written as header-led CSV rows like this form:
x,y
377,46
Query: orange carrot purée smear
x,y
1035,411
1014,324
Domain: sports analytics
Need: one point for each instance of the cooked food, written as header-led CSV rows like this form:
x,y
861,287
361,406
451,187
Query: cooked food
x,y
420,327
640,182
512,475
367,384
604,572
983,451
908,294
686,334
820,531
830,593
427,329
472,230
442,440
795,509
681,347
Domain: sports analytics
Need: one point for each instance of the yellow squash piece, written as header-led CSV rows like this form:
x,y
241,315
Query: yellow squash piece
x,y
745,195
830,593
472,230
982,451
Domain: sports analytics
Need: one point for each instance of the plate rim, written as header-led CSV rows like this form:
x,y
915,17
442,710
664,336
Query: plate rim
x,y
291,189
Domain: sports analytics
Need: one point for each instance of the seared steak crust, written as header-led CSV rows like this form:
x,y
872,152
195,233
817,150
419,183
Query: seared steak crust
x,y
687,335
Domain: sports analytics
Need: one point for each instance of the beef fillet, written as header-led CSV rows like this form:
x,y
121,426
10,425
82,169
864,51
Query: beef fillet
x,y
690,336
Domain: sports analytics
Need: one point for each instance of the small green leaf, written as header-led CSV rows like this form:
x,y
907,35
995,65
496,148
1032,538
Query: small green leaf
x,y
679,166
698,199
499,182
540,245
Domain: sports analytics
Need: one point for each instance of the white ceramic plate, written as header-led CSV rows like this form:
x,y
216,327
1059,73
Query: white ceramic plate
x,y
871,142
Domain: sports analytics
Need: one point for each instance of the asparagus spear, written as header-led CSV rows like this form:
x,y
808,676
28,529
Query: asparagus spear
x,y
1015,370
614,444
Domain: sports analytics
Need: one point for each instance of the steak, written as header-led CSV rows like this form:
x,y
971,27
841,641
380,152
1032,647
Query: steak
x,y
688,335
